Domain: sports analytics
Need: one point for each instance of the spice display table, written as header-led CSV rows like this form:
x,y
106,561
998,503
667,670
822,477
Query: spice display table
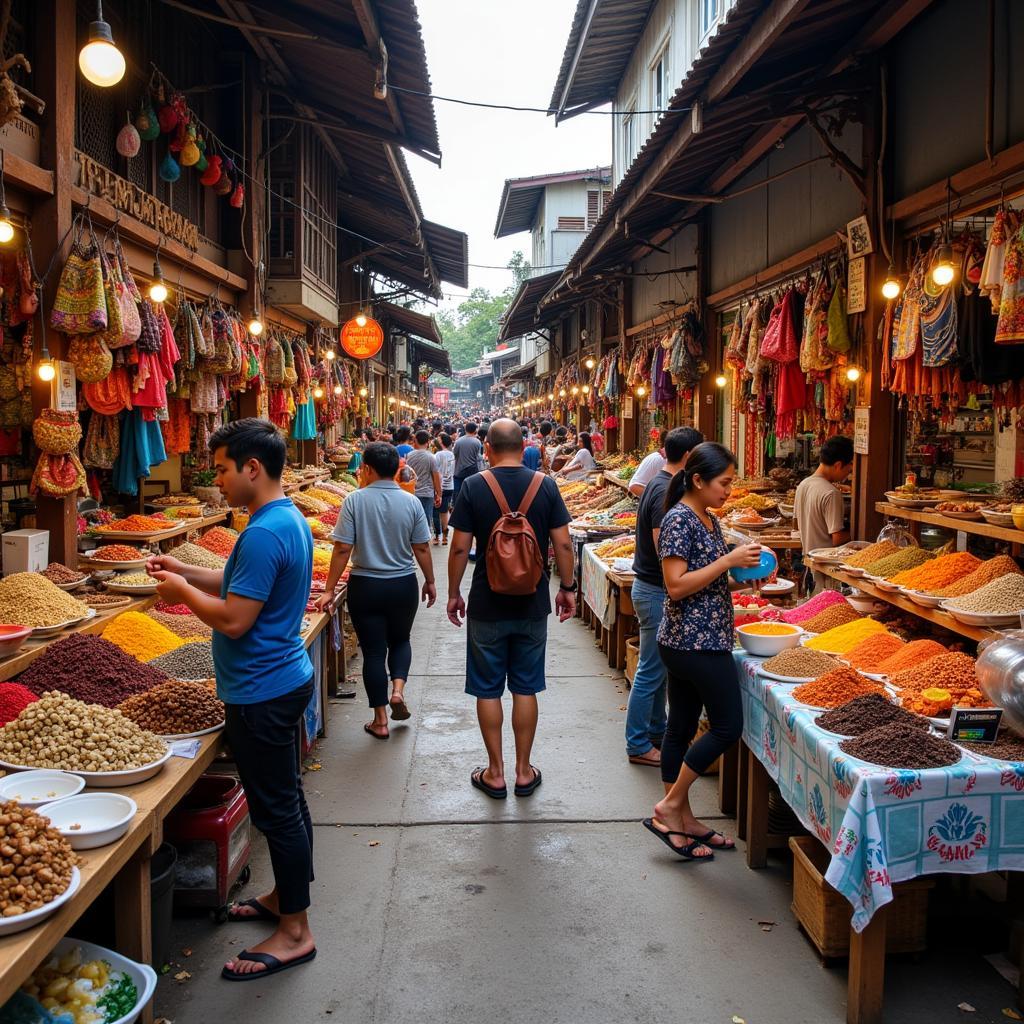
x,y
179,529
607,605
881,826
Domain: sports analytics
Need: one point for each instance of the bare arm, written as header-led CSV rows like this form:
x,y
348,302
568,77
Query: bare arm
x,y
207,580
841,537
680,582
339,563
426,564
233,616
458,559
565,559
636,490
437,490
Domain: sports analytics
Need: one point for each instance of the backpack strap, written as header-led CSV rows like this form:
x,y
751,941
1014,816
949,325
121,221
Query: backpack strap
x,y
499,495
531,493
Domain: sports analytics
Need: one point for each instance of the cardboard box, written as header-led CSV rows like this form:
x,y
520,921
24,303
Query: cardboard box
x,y
26,551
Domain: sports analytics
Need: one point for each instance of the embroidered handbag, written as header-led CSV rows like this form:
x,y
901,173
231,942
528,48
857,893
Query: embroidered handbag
x,y
90,357
102,442
79,306
56,433
113,335
838,339
131,322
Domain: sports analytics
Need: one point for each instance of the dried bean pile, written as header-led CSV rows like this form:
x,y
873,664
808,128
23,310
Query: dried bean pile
x,y
175,708
835,615
1003,596
91,669
800,663
28,599
901,745
193,554
193,661
905,558
1006,748
57,573
134,579
35,860
856,717
185,626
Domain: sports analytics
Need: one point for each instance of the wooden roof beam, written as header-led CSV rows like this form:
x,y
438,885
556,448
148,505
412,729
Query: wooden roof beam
x,y
584,32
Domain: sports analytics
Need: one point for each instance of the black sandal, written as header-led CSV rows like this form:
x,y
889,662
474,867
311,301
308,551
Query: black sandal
x,y
686,852
477,780
263,913
530,786
272,964
376,735
726,844
399,709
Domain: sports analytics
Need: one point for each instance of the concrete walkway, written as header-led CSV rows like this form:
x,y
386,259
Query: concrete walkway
x,y
435,904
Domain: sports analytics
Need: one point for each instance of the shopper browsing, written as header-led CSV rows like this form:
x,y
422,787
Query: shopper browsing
x,y
818,506
255,606
422,462
507,632
645,714
581,463
649,468
446,467
696,640
467,451
383,531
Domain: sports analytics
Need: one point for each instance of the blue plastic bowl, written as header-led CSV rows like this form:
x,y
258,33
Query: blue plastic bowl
x,y
768,564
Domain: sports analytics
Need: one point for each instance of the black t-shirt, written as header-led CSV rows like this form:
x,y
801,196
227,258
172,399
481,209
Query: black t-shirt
x,y
476,512
646,563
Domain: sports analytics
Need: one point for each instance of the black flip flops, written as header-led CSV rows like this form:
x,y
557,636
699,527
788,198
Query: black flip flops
x,y
376,735
272,964
399,709
477,781
725,844
530,786
262,913
686,852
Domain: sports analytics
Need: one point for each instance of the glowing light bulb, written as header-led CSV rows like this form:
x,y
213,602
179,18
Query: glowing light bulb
x,y
337,389
363,392
589,362
255,325
586,389
6,227
318,392
46,370
158,290
330,354
575,390
943,271
891,285
561,392
361,318
551,396
641,391
100,60
721,380
391,400
854,374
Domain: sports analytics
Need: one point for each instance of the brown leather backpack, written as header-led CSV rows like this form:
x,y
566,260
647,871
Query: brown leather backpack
x,y
515,563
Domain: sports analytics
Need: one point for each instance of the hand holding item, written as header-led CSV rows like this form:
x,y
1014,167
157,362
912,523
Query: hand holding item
x,y
744,556
164,563
170,586
323,603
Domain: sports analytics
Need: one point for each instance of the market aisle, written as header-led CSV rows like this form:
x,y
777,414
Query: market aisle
x,y
433,903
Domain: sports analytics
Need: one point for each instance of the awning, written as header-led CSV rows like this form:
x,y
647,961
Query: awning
x,y
499,353
408,321
433,355
450,251
520,197
524,372
521,316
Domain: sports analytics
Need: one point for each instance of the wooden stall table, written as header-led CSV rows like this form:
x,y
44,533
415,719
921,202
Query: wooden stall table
x,y
625,617
177,531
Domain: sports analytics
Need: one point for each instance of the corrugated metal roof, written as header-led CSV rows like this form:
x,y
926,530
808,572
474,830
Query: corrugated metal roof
x,y
520,317
520,197
450,251
434,356
419,325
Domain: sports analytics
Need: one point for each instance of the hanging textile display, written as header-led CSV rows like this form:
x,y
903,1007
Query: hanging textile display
x,y
142,448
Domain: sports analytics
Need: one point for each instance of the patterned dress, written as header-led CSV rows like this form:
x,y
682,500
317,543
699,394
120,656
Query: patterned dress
x,y
1010,329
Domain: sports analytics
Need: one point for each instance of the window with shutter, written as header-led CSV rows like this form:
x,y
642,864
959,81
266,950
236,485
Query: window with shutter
x,y
593,206
571,224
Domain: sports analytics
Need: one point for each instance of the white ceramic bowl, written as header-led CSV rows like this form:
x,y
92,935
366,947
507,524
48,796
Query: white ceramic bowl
x,y
767,646
979,618
780,586
88,820
112,780
12,638
39,786
924,600
11,925
90,613
866,604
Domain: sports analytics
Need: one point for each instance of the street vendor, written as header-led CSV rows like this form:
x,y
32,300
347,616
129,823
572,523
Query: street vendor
x,y
818,507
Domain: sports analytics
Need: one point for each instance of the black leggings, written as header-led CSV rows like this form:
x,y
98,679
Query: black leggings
x,y
696,680
382,612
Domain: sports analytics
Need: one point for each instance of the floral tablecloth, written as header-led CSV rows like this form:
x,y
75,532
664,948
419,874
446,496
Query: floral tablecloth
x,y
882,825
597,589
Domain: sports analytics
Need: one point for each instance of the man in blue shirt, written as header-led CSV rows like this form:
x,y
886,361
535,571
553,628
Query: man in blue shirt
x,y
255,606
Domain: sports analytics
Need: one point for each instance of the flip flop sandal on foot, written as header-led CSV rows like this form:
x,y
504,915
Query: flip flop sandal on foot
x,y
530,786
399,709
373,732
644,760
477,781
725,844
273,965
686,852
262,913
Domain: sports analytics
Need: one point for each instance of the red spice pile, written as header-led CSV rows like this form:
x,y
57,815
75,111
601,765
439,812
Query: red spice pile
x,y
172,609
218,540
14,698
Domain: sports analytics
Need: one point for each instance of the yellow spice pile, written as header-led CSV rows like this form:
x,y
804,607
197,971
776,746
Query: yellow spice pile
x,y
29,599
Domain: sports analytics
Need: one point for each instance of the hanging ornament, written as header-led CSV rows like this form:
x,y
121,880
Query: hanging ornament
x,y
202,163
190,151
224,186
212,174
168,118
238,196
146,121
177,144
128,141
169,169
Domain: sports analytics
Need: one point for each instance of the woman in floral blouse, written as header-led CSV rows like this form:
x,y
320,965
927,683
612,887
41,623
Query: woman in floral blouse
x,y
695,640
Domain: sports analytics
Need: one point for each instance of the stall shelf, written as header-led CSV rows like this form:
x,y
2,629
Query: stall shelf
x,y
177,530
977,528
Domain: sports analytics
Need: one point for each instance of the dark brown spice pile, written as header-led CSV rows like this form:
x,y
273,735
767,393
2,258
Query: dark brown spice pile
x,y
901,745
1007,748
90,669
856,717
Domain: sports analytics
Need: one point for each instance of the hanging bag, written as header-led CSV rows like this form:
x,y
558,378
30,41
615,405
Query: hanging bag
x,y
838,339
102,442
90,357
80,306
131,322
779,341
113,336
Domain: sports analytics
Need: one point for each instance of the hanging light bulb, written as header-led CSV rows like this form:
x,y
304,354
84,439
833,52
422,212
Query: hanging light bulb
x,y
854,374
586,389
330,354
46,370
575,390
158,290
361,318
943,271
891,285
589,362
561,392
256,325
337,389
100,60
363,392
721,380
318,392
641,391
391,400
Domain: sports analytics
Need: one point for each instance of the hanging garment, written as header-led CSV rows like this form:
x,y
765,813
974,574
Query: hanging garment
x,y
981,359
814,353
1010,328
938,324
142,448
304,427
779,341
906,329
991,283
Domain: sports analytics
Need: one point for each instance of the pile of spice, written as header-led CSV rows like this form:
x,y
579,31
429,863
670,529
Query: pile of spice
x,y
903,559
1006,748
188,627
172,609
917,652
61,574
28,599
330,518
989,570
1003,596
89,668
869,654
844,638
101,601
59,732
137,524
117,553
901,745
935,685
14,698
193,554
220,540
175,708
939,572
322,494
802,612
134,579
138,635
857,716
872,553
192,661
770,629
834,688
834,615
36,861
800,663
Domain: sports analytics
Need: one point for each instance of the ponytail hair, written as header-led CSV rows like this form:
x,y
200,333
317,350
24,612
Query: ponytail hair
x,y
708,461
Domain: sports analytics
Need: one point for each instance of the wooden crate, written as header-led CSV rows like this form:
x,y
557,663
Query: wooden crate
x,y
632,657
824,915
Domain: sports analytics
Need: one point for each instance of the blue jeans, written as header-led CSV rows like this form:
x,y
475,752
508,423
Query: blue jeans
x,y
645,714
428,507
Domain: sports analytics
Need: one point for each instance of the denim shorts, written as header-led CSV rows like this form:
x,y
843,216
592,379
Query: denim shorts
x,y
446,502
512,650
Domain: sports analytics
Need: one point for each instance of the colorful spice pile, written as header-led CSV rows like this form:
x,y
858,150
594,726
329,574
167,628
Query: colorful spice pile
x,y
134,579
188,627
801,613
837,687
89,668
988,571
137,524
844,638
117,553
902,745
193,554
192,661
330,518
309,506
174,708
61,574
138,635
172,609
835,615
58,732
800,663
14,698
96,600
856,717
35,860
872,553
917,652
1003,596
770,629
28,599
939,572
1006,748
219,540
869,654
934,686
332,499
905,558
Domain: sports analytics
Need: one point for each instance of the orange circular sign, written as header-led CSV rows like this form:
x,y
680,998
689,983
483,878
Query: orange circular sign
x,y
362,342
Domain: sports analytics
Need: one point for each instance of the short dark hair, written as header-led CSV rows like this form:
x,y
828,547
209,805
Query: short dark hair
x,y
446,440
836,449
709,460
382,458
423,437
679,441
561,432
545,429
470,427
402,435
253,438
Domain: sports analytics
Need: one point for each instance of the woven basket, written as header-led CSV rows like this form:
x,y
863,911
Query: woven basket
x,y
632,657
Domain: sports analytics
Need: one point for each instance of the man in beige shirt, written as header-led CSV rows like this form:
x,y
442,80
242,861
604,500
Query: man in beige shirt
x,y
818,507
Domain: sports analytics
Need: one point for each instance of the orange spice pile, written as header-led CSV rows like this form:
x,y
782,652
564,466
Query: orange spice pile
x,y
988,571
910,655
870,653
940,572
835,688
934,686
137,524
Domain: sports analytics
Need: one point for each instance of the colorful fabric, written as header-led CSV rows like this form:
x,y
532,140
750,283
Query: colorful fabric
x,y
595,587
1010,328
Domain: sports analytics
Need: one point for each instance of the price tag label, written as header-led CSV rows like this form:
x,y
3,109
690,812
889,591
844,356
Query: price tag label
x,y
974,725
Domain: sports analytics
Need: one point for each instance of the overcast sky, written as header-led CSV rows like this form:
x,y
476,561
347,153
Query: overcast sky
x,y
497,52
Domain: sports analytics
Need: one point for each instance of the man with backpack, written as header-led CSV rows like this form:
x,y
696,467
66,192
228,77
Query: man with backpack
x,y
512,513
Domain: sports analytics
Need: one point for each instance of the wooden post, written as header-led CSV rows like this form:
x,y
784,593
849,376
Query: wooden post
x,y
757,812
133,920
706,395
866,981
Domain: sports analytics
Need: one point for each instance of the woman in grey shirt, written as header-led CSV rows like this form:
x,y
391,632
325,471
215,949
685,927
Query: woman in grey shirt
x,y
382,529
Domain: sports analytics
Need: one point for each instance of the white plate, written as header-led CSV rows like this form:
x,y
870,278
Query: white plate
x,y
997,518
764,673
905,502
826,556
102,818
924,600
115,780
979,618
53,630
39,786
142,974
68,587
194,735
780,586
130,588
884,585
10,925
102,563
853,570
740,525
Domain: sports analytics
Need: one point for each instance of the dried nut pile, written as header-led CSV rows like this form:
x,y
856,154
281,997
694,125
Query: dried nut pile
x,y
61,574
193,554
193,661
800,663
1003,596
175,708
134,579
35,860
117,553
60,732
28,599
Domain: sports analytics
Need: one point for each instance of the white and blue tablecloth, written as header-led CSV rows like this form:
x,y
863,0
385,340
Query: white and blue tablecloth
x,y
882,825
597,588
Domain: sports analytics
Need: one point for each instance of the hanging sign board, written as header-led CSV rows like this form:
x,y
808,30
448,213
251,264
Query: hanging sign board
x,y
627,407
856,287
362,342
440,396
861,424
63,397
